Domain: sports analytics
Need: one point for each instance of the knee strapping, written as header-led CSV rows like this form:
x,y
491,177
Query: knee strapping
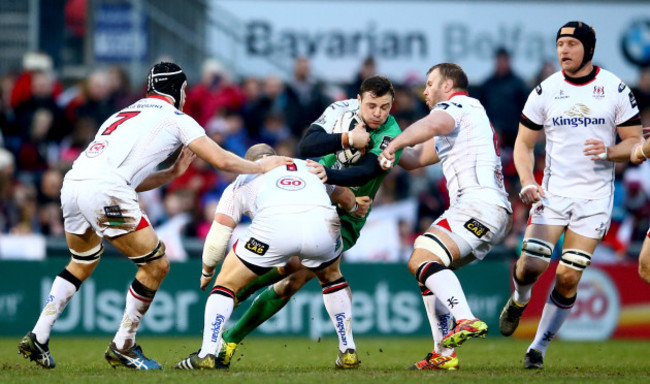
x,y
433,244
89,256
576,259
537,248
151,256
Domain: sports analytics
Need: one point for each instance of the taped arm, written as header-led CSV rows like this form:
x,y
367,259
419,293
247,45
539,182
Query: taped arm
x,y
216,242
317,142
357,175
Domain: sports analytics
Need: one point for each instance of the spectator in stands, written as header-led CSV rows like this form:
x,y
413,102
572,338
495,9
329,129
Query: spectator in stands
x,y
368,68
214,92
642,94
41,124
503,95
306,99
119,85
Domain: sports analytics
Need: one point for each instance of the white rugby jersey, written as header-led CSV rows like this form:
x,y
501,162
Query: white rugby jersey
x,y
570,114
469,154
283,190
332,113
131,143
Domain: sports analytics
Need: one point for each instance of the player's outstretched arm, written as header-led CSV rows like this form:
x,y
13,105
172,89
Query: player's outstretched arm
x,y
164,176
524,158
216,244
208,150
419,156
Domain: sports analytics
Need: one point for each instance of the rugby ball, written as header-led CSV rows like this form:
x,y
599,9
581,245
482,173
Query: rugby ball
x,y
345,123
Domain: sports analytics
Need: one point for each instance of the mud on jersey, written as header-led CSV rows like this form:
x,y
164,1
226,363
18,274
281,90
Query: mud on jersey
x,y
570,114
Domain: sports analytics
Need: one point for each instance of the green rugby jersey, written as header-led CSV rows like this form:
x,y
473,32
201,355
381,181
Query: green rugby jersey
x,y
379,139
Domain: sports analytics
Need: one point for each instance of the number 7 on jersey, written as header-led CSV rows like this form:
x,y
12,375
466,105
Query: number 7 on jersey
x,y
121,118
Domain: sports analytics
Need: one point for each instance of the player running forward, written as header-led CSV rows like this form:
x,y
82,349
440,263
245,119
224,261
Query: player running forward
x,y
99,200
373,105
580,109
479,215
292,215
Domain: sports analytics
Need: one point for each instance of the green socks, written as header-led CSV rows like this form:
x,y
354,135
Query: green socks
x,y
267,304
271,277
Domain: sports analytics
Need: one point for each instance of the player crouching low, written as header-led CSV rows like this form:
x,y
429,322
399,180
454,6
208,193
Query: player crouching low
x,y
292,215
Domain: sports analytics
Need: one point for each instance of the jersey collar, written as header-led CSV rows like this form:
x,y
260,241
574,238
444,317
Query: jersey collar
x,y
159,98
458,94
584,80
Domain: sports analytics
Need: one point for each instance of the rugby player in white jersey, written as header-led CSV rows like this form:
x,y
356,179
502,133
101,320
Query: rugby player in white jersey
x,y
580,109
457,133
292,215
99,200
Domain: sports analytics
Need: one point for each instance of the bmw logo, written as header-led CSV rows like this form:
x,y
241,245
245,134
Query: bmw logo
x,y
635,43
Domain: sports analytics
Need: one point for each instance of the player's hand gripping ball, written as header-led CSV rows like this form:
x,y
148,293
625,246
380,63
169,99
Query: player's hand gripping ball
x,y
346,123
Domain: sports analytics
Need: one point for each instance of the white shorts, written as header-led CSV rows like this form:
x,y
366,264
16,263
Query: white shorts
x,y
586,217
314,237
110,210
480,225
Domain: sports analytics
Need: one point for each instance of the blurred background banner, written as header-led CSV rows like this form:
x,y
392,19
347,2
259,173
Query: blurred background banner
x,y
387,300
612,302
408,37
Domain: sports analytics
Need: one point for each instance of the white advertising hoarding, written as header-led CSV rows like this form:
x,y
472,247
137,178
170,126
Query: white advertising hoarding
x,y
408,37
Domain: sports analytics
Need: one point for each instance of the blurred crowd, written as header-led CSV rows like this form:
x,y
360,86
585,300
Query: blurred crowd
x,y
46,125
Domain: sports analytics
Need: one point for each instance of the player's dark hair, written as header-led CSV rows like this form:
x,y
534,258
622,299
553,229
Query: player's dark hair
x,y
377,86
258,151
453,72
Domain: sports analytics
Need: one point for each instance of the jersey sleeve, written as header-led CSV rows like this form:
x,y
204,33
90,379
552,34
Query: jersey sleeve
x,y
328,160
229,204
626,105
332,113
533,109
189,130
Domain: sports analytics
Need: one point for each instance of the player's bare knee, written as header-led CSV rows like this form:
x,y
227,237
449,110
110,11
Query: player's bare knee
x,y
156,262
567,282
528,270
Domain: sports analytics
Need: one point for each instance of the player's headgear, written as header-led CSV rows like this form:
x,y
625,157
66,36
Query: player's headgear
x,y
166,79
582,32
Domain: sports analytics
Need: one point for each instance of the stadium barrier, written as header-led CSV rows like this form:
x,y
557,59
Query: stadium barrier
x,y
613,301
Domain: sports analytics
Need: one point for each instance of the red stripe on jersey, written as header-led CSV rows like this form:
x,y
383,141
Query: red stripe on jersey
x,y
426,292
445,224
142,224
141,298
530,218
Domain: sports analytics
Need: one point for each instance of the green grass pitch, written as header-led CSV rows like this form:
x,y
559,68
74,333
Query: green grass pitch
x,y
300,360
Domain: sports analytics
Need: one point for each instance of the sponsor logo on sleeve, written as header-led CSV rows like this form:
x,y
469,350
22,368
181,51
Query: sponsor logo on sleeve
x,y
479,230
256,246
621,87
538,89
96,148
633,103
